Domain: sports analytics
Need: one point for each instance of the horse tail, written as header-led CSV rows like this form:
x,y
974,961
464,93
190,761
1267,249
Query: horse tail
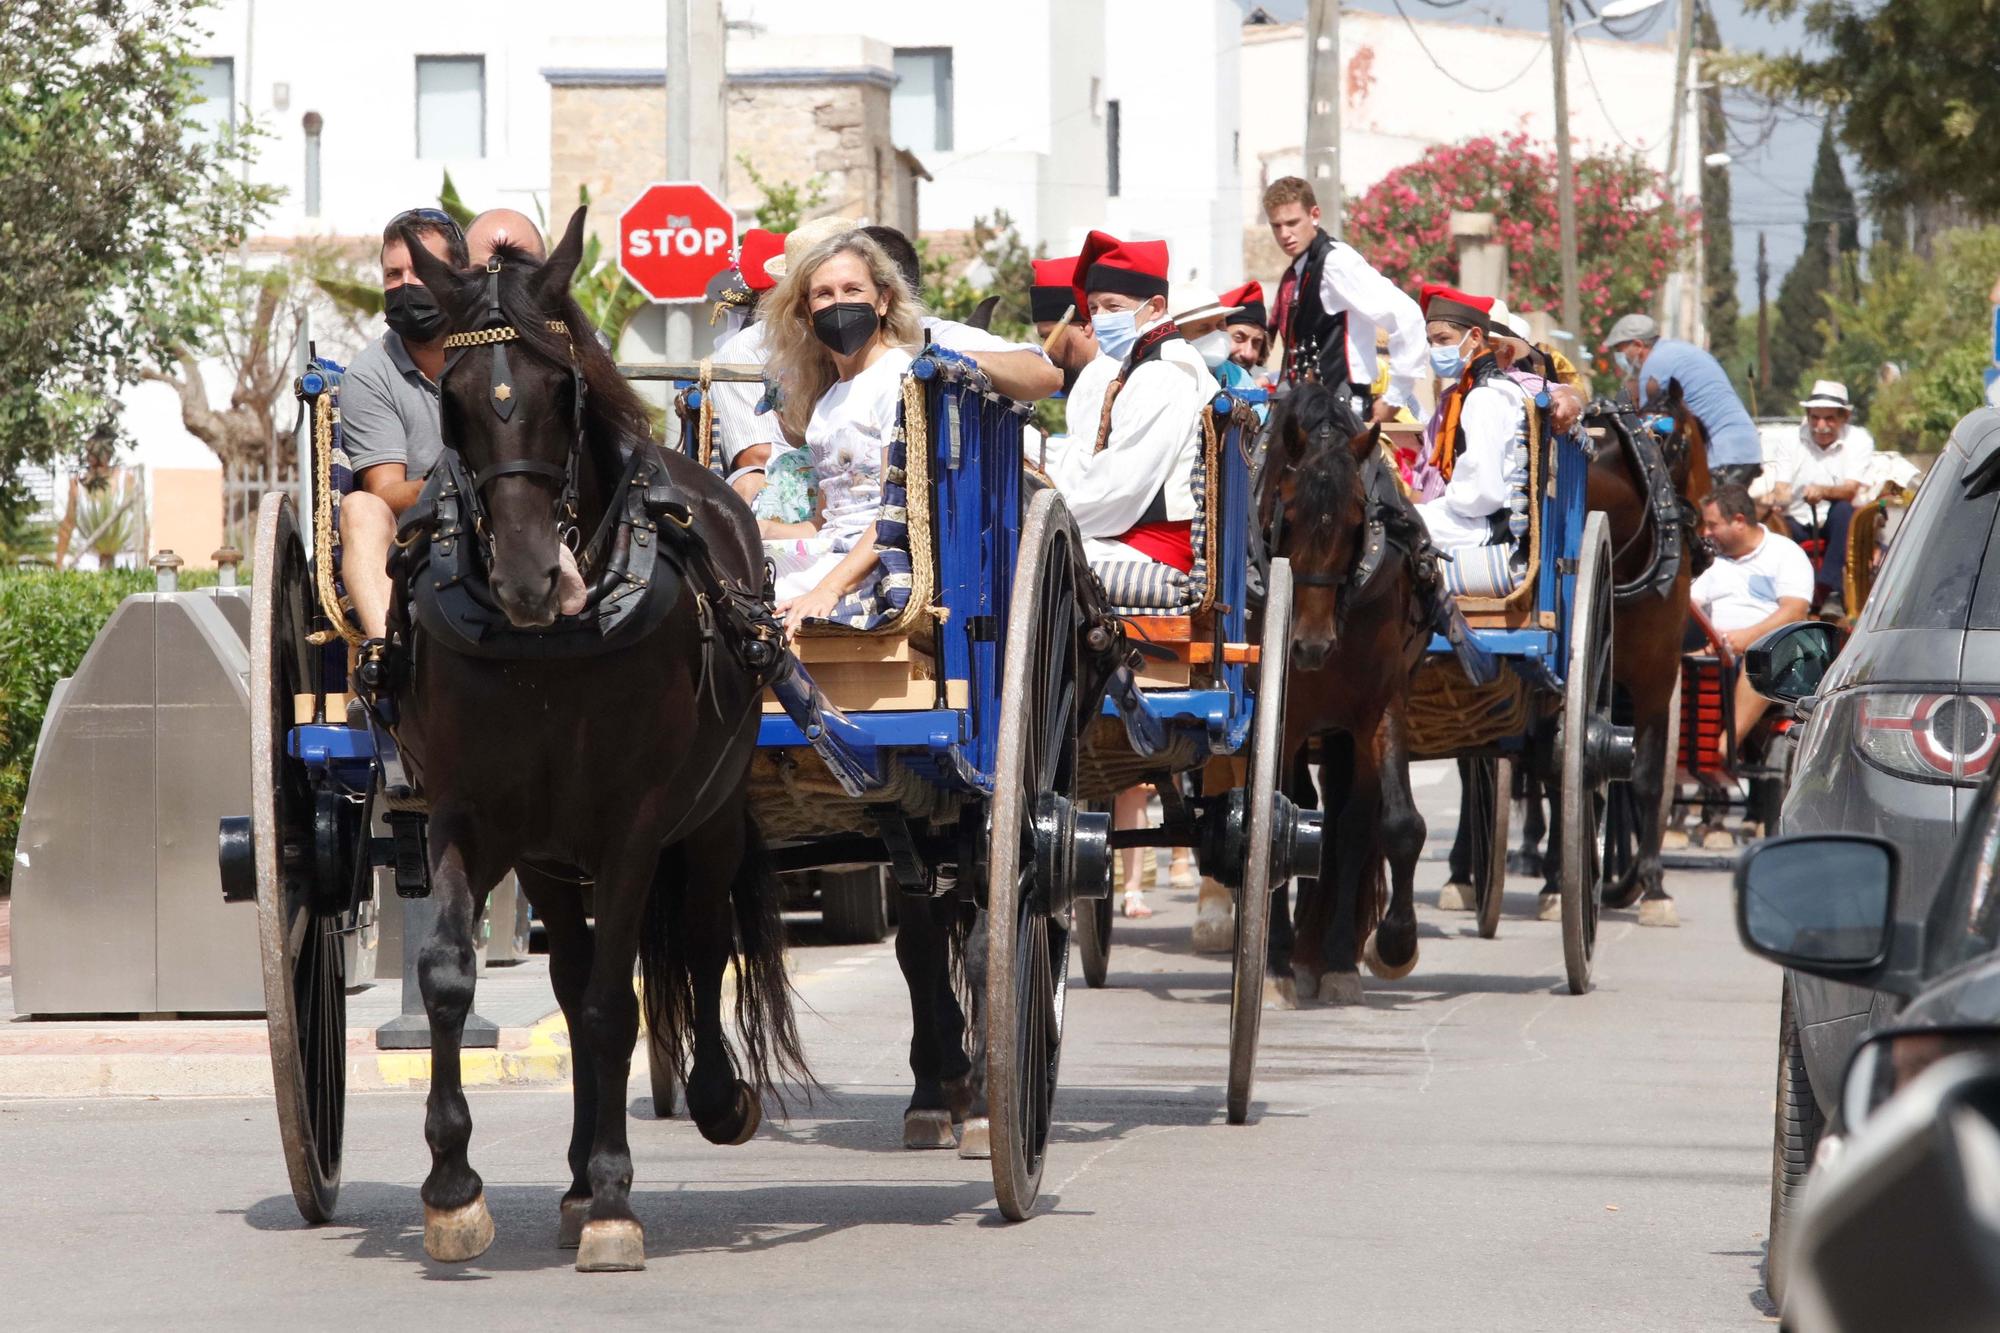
x,y
766,1029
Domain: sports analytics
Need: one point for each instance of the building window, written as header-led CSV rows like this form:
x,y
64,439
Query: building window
x,y
1111,147
451,107
213,109
920,106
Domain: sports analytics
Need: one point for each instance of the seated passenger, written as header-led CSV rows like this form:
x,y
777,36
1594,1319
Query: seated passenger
x,y
748,438
842,324
1470,441
1063,327
1018,370
1758,582
1249,332
1817,477
1128,475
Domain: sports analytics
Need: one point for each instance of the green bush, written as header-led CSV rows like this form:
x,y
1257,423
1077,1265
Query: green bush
x,y
48,620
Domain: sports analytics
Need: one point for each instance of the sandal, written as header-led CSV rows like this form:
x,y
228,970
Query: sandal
x,y
1135,904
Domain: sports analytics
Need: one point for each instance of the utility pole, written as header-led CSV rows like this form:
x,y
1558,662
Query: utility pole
x,y
1565,179
1323,94
1683,49
680,156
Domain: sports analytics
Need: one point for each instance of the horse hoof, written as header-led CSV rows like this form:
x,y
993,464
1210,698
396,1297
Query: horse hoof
x,y
569,1229
1674,840
1214,928
977,1141
1386,971
740,1126
454,1235
1455,897
1550,908
611,1245
1280,993
1659,912
1619,896
1341,988
1305,981
1718,839
927,1129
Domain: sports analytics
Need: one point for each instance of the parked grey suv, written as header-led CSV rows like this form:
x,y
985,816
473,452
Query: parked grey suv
x,y
1899,735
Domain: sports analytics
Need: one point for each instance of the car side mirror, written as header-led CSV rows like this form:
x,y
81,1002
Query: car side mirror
x,y
1822,904
1892,1059
1789,663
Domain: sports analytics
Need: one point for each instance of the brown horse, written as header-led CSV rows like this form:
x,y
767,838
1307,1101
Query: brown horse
x,y
1354,654
1647,625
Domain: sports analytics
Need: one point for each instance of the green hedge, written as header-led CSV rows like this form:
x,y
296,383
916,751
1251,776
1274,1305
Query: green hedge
x,y
48,621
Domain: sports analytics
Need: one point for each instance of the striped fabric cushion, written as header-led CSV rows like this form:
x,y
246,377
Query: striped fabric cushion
x,y
1144,587
1480,571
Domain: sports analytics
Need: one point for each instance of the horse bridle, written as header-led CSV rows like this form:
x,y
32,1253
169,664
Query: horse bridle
x,y
1274,531
496,332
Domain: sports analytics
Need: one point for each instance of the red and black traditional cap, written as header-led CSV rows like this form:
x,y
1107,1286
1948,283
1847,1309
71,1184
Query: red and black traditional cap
x,y
1131,268
759,248
1250,298
1456,307
1054,291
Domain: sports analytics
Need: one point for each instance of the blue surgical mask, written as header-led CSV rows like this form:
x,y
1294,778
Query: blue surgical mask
x,y
1116,330
1624,362
1449,362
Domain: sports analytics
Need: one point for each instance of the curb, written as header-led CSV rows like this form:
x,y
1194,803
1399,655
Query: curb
x,y
237,1063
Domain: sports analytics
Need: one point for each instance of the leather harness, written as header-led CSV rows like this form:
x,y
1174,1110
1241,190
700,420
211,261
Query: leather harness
x,y
1672,520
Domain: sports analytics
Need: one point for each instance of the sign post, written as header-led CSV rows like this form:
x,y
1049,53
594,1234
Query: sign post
x,y
673,238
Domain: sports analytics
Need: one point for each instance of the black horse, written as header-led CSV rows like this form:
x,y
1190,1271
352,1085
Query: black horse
x,y
622,763
1362,614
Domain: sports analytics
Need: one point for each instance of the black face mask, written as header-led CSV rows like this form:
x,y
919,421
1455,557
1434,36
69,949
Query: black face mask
x,y
846,326
413,313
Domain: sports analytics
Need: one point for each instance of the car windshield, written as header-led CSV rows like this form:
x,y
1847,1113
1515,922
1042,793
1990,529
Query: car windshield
x,y
1938,575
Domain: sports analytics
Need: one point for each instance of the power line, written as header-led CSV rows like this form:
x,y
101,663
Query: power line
x,y
1469,87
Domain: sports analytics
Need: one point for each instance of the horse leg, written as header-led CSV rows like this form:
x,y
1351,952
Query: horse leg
x,y
1534,826
624,901
1357,876
560,906
1391,950
1649,780
457,1225
1459,893
960,1026
922,952
1304,959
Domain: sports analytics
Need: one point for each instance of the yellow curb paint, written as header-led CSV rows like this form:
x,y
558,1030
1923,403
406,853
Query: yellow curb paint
x,y
544,1059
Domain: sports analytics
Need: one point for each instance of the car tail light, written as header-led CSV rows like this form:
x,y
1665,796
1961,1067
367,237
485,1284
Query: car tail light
x,y
1931,737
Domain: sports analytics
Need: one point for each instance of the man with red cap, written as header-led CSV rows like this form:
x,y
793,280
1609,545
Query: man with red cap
x,y
1127,472
1249,327
1064,329
1479,417
746,437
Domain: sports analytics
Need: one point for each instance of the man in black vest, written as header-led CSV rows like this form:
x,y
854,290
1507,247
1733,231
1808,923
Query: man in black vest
x,y
1330,303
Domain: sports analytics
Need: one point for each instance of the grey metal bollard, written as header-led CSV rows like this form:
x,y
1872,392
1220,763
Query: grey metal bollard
x,y
411,1029
166,571
226,559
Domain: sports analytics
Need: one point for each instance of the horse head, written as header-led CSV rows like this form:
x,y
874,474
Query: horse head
x,y
1313,508
534,407
1685,446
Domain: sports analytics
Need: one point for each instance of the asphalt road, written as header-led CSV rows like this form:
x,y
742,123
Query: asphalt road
x,y
1473,1149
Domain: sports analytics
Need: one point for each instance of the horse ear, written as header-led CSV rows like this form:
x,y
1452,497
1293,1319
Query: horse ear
x,y
1365,443
1673,399
553,279
438,275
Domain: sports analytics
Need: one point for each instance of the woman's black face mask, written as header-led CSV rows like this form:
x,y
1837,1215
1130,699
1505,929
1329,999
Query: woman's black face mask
x,y
413,313
846,326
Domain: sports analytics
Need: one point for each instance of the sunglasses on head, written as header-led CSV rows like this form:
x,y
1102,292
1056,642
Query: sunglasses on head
x,y
432,215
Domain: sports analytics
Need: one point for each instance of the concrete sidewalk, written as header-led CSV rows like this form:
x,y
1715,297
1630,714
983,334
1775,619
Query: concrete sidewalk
x,y
230,1057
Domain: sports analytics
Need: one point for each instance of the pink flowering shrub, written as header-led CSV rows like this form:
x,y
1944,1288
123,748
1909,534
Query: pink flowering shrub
x,y
1630,234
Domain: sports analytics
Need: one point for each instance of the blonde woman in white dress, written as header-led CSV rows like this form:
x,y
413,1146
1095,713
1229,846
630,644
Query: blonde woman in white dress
x,y
843,328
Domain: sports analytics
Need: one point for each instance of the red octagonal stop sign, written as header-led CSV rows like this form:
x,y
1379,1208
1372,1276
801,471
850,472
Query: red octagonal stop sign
x,y
673,238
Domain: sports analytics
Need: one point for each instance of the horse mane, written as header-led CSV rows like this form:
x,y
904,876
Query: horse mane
x,y
613,410
1325,471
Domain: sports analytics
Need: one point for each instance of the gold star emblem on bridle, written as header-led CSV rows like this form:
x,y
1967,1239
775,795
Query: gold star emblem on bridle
x,y
502,392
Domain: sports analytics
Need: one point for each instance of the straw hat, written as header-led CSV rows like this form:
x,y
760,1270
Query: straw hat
x,y
1189,302
803,238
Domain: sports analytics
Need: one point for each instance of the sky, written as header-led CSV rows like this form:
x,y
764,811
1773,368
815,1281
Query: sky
x,y
1772,153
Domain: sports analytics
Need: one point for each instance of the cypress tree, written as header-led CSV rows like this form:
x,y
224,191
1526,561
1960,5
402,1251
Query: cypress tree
x,y
1833,244
1718,238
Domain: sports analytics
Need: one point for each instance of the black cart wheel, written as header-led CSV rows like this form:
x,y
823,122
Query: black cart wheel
x,y
1253,900
1093,939
1586,727
1027,943
854,904
1492,801
301,918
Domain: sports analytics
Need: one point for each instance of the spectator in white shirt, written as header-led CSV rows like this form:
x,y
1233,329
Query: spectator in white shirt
x,y
1817,477
1759,581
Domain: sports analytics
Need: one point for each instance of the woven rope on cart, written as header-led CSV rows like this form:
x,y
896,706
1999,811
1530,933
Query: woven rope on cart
x,y
1449,714
795,797
330,604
